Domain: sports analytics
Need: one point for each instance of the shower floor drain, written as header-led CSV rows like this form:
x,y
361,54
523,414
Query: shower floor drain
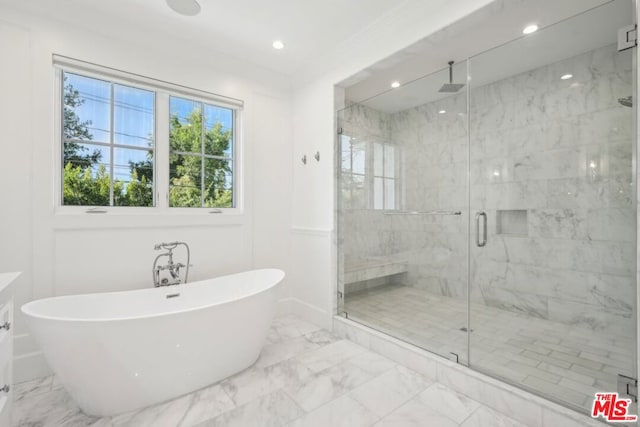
x,y
464,329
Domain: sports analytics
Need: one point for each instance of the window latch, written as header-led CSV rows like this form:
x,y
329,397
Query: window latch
x,y
97,209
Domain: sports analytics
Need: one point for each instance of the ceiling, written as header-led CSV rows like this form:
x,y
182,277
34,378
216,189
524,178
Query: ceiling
x,y
241,29
568,28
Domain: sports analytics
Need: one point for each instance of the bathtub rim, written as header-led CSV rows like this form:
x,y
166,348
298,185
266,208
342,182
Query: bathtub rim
x,y
28,312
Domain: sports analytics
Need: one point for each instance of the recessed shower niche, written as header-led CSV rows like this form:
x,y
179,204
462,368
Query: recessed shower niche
x,y
512,222
493,204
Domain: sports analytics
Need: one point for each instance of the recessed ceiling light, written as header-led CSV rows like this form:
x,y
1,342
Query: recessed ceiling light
x,y
566,76
442,111
184,7
395,85
530,29
278,44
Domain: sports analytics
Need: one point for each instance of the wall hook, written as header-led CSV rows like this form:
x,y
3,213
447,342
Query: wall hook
x,y
317,156
304,159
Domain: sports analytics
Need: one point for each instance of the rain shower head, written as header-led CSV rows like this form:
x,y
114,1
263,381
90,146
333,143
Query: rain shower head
x,y
627,102
451,87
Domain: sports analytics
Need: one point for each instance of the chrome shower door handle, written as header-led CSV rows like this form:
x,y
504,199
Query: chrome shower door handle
x,y
484,229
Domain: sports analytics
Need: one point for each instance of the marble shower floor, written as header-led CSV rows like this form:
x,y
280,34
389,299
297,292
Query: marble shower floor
x,y
568,363
305,376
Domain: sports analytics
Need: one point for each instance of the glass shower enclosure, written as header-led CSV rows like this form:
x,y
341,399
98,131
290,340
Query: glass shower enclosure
x,y
494,223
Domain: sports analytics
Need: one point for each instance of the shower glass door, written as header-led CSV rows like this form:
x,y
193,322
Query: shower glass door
x,y
403,209
553,277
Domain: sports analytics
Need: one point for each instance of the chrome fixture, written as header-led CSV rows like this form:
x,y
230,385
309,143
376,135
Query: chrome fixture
x,y
6,325
627,102
171,267
317,156
423,213
304,159
451,87
480,243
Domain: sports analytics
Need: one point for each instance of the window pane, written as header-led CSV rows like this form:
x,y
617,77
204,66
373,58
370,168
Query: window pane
x,y
86,108
218,183
389,161
86,179
377,159
378,195
185,132
346,153
358,153
389,194
354,192
184,180
133,116
133,177
218,131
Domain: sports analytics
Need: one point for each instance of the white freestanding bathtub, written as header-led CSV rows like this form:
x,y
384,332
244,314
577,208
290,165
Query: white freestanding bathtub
x,y
119,351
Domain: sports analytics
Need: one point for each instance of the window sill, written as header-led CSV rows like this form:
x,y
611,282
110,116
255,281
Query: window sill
x,y
75,219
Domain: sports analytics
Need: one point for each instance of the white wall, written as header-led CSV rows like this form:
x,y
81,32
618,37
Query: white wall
x,y
314,129
66,254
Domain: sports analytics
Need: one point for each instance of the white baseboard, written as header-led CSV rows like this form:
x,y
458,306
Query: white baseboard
x,y
30,366
311,313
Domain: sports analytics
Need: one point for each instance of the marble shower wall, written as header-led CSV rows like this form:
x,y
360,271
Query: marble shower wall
x,y
558,155
550,163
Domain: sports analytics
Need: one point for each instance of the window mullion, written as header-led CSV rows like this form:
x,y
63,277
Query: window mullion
x,y
161,158
202,151
111,150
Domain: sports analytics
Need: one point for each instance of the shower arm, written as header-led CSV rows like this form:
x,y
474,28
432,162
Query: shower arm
x,y
451,72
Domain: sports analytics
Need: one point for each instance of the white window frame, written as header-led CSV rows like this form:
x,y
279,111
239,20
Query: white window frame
x,y
163,91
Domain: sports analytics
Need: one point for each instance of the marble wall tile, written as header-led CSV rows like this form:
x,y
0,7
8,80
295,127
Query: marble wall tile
x,y
558,223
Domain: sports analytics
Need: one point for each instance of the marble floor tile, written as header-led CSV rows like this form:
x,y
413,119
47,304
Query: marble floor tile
x,y
455,405
33,387
288,327
485,417
341,412
52,408
272,410
535,353
283,350
168,413
256,381
415,414
333,382
205,405
329,355
390,390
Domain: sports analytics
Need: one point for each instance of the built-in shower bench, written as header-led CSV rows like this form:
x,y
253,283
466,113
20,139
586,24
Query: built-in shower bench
x,y
359,270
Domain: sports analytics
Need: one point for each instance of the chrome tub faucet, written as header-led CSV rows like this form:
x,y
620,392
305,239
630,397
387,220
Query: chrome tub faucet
x,y
173,268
